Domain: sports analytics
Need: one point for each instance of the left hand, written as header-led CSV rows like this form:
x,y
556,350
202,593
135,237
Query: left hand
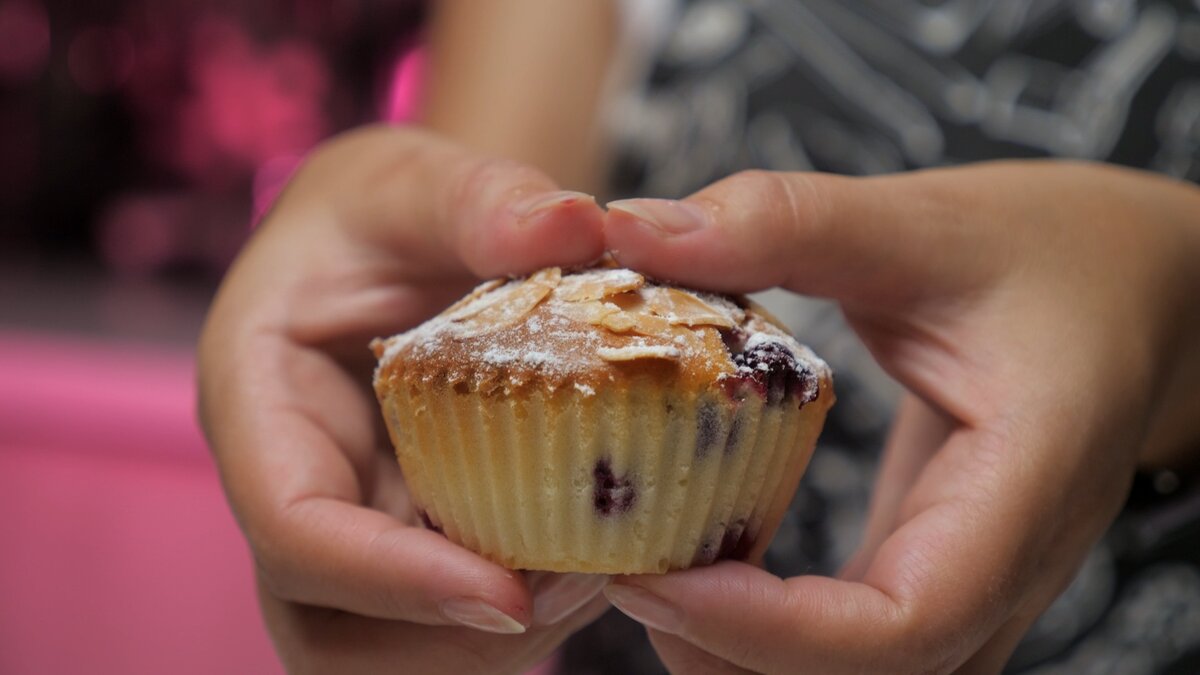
x,y
1042,316
380,229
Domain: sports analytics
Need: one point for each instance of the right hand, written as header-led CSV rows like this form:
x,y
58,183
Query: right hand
x,y
1043,316
378,231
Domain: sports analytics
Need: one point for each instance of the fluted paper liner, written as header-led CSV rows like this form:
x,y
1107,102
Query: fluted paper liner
x,y
628,480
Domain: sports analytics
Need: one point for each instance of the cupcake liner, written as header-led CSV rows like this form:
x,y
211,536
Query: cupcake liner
x,y
635,479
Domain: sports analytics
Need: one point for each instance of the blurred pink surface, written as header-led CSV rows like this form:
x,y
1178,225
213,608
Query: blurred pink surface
x,y
119,552
120,555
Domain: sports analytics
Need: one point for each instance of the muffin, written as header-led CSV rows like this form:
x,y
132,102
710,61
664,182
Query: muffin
x,y
598,421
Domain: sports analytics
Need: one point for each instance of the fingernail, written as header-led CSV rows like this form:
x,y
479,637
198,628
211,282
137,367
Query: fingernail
x,y
667,215
558,596
479,615
548,200
645,608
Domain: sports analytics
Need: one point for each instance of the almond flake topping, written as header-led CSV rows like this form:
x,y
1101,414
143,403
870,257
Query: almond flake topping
x,y
592,312
648,324
598,284
619,321
684,309
506,305
478,292
635,352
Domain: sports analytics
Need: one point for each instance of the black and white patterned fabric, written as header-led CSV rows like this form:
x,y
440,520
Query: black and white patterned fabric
x,y
875,86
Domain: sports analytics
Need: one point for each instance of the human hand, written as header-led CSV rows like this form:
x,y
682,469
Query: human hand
x,y
1043,317
379,230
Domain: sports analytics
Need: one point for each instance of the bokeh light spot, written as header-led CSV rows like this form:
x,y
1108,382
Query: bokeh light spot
x,y
100,59
137,237
24,41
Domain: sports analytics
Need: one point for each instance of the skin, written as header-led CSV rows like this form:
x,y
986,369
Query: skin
x,y
548,116
1043,317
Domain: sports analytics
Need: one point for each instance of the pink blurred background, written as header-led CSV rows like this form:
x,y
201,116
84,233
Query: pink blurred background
x,y
140,142
120,554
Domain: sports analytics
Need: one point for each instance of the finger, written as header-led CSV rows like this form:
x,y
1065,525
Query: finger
x,y
764,622
934,592
296,471
450,209
298,497
917,433
315,640
680,656
876,239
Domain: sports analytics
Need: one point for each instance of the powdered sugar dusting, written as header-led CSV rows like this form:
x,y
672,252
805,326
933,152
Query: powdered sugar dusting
x,y
597,284
393,345
634,352
758,339
737,314
539,358
501,356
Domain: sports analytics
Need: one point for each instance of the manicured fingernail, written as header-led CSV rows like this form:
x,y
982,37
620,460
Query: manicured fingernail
x,y
667,215
558,596
548,200
645,608
477,614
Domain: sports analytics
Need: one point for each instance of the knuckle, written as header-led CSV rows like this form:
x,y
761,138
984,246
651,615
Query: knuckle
x,y
274,564
743,652
475,198
785,213
795,204
481,187
272,577
333,154
924,646
750,186
807,201
752,176
479,172
394,596
385,158
356,169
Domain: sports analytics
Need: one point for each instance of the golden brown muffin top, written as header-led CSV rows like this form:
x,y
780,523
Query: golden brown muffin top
x,y
586,329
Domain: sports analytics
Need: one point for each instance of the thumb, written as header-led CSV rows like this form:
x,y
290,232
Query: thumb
x,y
751,619
442,207
862,240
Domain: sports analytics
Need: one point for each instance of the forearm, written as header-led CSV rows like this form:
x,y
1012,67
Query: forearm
x,y
523,80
